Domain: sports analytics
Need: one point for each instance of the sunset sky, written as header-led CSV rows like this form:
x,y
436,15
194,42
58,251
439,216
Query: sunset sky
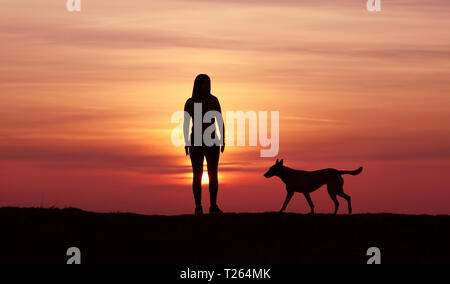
x,y
86,101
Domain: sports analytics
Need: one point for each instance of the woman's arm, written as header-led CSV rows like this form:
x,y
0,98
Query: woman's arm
x,y
186,124
222,134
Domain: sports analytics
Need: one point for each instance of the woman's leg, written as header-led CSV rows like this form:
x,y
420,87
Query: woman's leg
x,y
197,157
212,160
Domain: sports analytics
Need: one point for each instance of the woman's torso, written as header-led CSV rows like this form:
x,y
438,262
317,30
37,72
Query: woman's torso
x,y
209,103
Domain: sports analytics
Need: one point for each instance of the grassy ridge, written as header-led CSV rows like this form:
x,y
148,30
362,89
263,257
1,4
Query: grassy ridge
x,y
31,235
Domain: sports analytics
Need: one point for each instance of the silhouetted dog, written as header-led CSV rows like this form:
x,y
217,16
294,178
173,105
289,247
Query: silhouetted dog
x,y
307,182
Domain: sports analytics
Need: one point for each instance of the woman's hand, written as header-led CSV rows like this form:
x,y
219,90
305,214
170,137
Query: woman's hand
x,y
187,150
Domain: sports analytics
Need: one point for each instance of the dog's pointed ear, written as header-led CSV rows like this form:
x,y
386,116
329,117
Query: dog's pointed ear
x,y
281,162
277,162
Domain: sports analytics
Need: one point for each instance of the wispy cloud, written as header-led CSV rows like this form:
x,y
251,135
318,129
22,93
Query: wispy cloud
x,y
85,156
311,119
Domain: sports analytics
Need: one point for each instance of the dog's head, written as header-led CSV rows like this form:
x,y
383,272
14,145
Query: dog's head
x,y
275,170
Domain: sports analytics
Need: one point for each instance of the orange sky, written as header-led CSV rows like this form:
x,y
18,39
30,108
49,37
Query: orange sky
x,y
86,100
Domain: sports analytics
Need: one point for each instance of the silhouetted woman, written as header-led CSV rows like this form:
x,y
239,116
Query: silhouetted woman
x,y
198,144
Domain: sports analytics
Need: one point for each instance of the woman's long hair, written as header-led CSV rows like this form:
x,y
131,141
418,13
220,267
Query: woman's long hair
x,y
198,93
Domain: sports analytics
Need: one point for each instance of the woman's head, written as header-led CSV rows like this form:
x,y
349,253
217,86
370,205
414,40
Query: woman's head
x,y
202,86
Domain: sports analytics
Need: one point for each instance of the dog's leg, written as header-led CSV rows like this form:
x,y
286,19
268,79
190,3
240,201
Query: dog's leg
x,y
336,202
333,189
311,204
349,201
286,202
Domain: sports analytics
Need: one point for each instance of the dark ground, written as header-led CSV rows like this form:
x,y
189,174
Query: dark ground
x,y
43,235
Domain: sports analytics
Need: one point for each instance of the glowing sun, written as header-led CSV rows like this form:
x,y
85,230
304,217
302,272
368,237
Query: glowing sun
x,y
205,178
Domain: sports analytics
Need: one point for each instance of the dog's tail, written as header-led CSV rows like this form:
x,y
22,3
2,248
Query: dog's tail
x,y
353,173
